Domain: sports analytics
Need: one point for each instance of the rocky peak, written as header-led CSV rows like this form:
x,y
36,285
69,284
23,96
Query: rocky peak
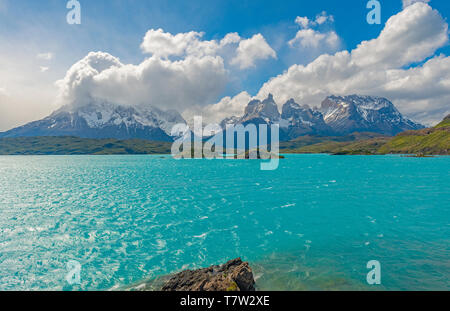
x,y
289,108
303,120
356,113
293,110
266,110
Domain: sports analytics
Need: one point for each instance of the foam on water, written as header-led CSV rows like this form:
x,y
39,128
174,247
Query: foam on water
x,y
312,224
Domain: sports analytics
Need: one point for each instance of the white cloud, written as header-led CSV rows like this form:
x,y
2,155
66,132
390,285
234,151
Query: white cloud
x,y
251,50
45,56
164,44
162,83
241,52
44,69
230,39
227,107
407,3
192,79
408,37
317,40
302,21
376,67
310,38
322,18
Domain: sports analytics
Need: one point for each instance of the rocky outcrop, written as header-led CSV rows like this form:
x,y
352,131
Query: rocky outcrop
x,y
235,275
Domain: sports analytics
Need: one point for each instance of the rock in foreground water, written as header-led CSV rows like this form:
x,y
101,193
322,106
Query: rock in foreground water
x,y
235,275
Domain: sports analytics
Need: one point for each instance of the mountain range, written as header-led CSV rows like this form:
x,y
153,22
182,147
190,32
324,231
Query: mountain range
x,y
103,120
424,142
337,116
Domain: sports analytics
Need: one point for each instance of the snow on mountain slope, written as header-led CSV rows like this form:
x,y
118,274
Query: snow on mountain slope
x,y
338,115
355,113
266,110
103,120
302,120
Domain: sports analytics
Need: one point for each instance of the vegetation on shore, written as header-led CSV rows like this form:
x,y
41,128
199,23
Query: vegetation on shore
x,y
77,146
430,141
425,142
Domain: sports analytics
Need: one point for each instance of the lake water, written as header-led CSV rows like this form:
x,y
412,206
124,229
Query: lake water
x,y
312,224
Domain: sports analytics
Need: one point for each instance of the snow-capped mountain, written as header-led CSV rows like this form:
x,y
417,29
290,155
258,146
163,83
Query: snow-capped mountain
x,y
294,121
103,120
261,112
355,113
337,116
302,120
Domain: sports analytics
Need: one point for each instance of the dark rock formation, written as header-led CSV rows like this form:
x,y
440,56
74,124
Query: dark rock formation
x,y
235,275
337,116
302,120
355,113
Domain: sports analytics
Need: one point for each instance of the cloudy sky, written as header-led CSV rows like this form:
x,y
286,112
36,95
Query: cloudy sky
x,y
211,57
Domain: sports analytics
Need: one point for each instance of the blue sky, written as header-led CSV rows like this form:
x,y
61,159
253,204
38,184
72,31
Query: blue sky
x,y
29,28
118,26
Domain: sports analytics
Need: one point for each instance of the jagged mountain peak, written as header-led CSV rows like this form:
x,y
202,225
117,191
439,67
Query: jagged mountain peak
x,y
363,101
338,115
291,107
291,104
356,113
266,110
303,120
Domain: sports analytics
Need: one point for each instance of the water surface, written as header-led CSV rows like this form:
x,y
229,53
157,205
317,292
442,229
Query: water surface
x,y
312,224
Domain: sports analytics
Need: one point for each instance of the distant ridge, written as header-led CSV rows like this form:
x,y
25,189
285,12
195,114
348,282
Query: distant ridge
x,y
337,116
103,120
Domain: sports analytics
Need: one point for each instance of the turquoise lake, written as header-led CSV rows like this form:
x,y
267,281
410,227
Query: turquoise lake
x,y
312,224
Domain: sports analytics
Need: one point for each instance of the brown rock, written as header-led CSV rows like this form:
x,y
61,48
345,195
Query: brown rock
x,y
235,275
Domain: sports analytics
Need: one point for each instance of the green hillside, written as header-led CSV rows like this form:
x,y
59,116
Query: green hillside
x,y
75,145
431,141
362,147
445,123
325,144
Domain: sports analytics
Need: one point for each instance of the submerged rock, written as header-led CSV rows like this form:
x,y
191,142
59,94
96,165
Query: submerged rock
x,y
235,275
